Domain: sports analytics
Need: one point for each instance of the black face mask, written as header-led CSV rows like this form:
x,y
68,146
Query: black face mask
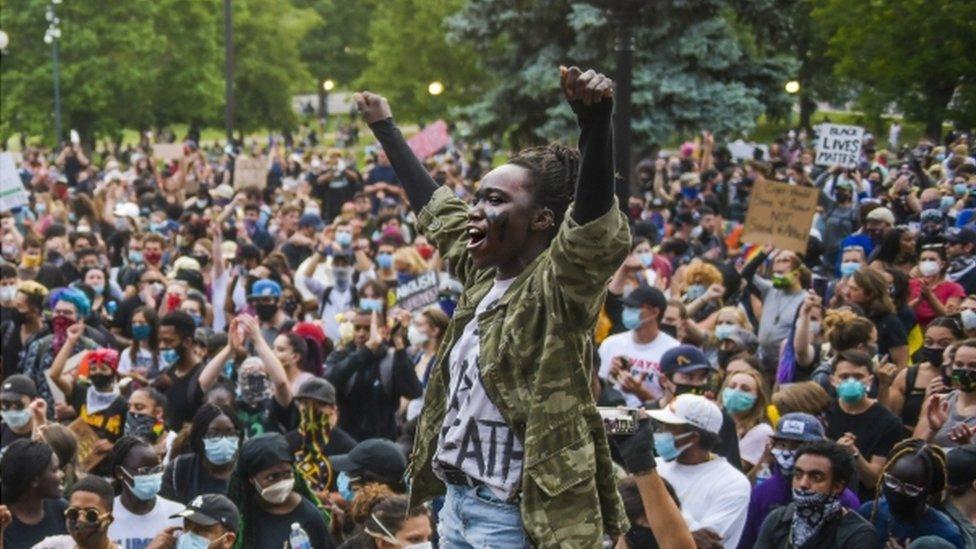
x,y
904,507
724,357
140,425
641,537
18,316
101,382
290,306
932,355
669,329
684,389
266,311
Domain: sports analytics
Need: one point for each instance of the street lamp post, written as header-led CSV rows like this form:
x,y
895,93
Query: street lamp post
x,y
327,86
793,88
53,36
229,88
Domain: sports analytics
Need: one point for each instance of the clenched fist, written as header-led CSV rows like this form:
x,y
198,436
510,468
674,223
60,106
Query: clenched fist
x,y
373,107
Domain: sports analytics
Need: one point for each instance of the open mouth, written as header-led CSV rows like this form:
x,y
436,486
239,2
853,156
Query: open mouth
x,y
476,237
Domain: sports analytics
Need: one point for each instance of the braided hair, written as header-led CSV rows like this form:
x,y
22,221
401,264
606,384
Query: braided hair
x,y
554,169
934,460
118,454
241,491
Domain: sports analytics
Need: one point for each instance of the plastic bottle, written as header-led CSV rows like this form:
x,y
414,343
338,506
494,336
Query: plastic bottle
x,y
298,539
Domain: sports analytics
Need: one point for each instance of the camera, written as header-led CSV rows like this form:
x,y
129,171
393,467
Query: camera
x,y
619,421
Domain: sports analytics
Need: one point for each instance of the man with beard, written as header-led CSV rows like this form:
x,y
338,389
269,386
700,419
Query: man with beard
x,y
181,370
145,419
509,425
913,480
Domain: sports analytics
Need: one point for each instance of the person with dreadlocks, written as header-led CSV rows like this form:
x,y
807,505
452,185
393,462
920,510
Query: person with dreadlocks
x,y
318,437
272,498
139,512
912,481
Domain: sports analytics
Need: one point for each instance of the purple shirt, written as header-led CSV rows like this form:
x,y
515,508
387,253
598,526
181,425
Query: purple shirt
x,y
772,493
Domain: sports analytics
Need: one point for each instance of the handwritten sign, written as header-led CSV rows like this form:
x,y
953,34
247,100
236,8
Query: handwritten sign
x,y
781,215
87,457
418,293
12,192
429,140
250,172
839,144
168,151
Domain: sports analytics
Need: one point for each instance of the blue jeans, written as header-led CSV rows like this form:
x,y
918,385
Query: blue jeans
x,y
476,518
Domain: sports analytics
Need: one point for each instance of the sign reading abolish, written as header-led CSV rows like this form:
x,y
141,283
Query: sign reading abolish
x,y
418,293
839,145
780,215
12,193
429,140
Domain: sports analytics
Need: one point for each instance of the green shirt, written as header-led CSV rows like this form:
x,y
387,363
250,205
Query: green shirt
x,y
536,359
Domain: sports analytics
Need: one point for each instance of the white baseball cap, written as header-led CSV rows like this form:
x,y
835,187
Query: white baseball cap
x,y
693,410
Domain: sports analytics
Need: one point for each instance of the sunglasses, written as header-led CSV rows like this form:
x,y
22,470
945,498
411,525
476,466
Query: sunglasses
x,y
905,488
91,514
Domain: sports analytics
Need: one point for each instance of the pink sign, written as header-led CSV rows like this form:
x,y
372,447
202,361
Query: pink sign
x,y
430,140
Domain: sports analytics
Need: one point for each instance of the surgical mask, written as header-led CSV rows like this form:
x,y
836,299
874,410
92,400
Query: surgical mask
x,y
342,277
786,459
737,401
277,492
946,203
415,336
851,391
968,318
344,239
631,318
848,268
145,487
220,450
197,319
384,261
344,486
960,188
646,258
694,292
929,267
169,357
135,256
98,288
192,540
664,445
140,332
8,293
15,419
725,331
371,304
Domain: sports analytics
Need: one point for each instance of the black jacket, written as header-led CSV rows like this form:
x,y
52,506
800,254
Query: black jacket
x,y
846,531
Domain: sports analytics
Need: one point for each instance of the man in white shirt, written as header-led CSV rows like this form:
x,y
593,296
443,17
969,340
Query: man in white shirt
x,y
713,494
632,359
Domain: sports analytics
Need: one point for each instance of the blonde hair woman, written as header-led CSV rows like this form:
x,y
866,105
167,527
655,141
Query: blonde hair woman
x,y
407,260
744,397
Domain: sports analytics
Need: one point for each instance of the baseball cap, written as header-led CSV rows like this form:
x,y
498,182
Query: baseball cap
x,y
16,386
694,410
317,389
646,295
311,220
378,456
228,249
210,509
961,235
844,184
265,288
799,426
223,191
881,214
127,209
961,465
684,358
931,215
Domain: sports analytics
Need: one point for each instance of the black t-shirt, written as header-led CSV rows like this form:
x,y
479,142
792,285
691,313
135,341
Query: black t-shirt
x,y
107,423
7,436
891,333
183,397
186,478
340,442
11,347
266,417
18,534
877,429
273,530
295,254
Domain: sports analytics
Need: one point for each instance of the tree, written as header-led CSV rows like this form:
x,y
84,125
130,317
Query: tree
x,y
409,50
917,56
692,70
336,48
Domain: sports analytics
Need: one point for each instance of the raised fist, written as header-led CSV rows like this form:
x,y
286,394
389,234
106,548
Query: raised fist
x,y
590,87
373,107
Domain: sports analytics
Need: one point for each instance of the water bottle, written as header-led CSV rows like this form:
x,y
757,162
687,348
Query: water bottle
x,y
298,539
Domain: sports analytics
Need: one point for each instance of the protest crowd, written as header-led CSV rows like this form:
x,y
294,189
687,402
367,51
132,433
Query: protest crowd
x,y
351,346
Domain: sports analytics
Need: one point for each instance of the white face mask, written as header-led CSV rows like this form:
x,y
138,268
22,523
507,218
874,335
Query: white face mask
x,y
415,336
277,492
8,293
929,267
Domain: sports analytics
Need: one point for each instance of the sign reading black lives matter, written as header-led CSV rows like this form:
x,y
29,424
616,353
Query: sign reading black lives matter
x,y
418,293
839,145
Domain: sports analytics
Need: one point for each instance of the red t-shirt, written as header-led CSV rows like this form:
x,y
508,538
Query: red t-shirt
x,y
944,291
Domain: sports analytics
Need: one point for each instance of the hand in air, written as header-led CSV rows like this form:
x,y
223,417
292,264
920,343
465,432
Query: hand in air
x,y
373,107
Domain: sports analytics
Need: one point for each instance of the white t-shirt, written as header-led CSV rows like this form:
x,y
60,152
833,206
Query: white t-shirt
x,y
133,531
753,443
713,495
143,363
644,358
474,437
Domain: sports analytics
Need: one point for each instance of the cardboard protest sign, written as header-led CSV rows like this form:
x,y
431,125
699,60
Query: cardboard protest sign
x,y
250,172
430,140
781,215
12,192
87,437
168,151
839,144
418,293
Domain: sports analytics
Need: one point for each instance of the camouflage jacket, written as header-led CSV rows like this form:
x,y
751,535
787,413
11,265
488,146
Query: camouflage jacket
x,y
535,363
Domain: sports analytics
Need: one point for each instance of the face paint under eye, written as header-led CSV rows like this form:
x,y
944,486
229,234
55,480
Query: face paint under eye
x,y
500,221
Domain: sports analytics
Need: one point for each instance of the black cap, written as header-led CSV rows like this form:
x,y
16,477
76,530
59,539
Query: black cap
x,y
961,465
317,389
210,509
262,452
646,295
378,456
961,235
16,386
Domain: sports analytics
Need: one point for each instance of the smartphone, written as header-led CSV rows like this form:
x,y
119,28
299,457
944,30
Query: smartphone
x,y
820,286
619,421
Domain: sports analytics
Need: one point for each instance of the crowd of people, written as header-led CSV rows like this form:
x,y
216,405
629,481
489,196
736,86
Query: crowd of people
x,y
371,350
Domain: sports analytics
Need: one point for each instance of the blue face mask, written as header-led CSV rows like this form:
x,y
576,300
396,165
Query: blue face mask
x,y
344,239
140,332
197,319
848,268
220,450
947,202
371,304
169,357
385,261
145,487
736,401
851,391
725,331
646,259
664,445
98,289
344,486
135,256
15,419
694,292
191,540
960,188
631,318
